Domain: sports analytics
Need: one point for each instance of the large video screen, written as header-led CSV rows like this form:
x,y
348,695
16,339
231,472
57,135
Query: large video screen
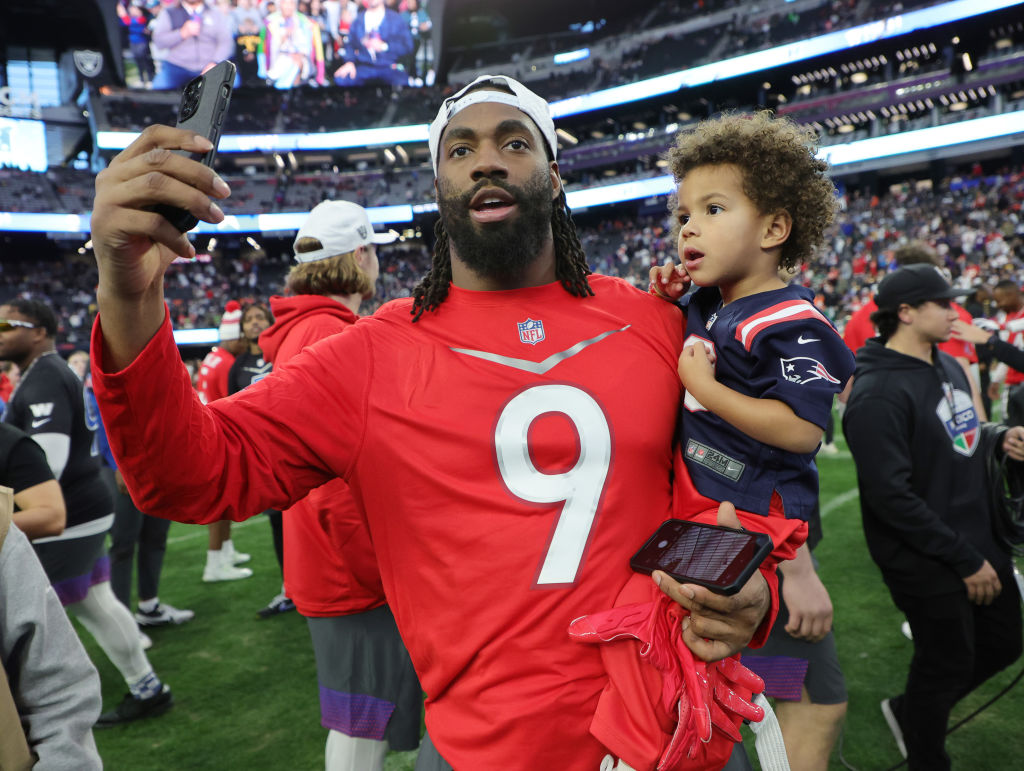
x,y
278,43
23,144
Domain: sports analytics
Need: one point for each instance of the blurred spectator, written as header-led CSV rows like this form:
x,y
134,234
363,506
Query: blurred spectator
x,y
136,19
194,36
378,41
290,49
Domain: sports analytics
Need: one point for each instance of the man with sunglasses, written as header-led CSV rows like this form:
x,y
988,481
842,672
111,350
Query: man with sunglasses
x,y
916,438
49,406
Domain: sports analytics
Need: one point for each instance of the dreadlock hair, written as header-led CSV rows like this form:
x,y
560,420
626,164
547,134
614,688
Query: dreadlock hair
x,y
571,267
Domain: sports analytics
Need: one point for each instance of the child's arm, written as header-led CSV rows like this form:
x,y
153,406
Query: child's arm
x,y
767,420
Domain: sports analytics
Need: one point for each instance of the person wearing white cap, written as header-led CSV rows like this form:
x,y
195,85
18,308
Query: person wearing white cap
x,y
222,561
508,431
330,572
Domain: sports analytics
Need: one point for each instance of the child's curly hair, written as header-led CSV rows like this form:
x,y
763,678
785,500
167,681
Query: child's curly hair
x,y
776,159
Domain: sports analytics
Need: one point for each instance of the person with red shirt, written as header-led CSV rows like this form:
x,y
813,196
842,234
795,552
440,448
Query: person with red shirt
x,y
370,698
222,560
1008,299
508,430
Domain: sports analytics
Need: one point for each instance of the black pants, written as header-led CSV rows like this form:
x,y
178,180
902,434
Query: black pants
x,y
957,646
277,533
134,532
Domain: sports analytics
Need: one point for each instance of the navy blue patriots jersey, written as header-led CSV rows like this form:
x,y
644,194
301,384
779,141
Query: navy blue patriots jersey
x,y
770,345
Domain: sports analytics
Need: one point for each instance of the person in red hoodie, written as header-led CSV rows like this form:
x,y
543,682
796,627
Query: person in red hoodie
x,y
370,698
222,561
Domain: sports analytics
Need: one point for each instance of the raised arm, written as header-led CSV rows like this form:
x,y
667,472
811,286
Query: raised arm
x,y
133,244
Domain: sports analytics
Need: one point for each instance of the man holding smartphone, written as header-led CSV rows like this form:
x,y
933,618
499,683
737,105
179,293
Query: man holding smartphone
x,y
504,469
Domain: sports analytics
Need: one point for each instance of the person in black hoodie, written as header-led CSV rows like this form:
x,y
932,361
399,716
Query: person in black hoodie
x,y
915,437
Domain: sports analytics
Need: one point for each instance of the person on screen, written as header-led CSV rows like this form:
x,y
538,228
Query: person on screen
x,y
136,21
290,49
193,36
379,40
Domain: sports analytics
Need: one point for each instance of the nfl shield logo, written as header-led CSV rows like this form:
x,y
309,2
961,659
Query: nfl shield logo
x,y
531,331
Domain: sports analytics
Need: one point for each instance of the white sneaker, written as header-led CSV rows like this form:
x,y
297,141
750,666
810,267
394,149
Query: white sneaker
x,y
162,615
144,639
219,571
828,449
905,628
237,557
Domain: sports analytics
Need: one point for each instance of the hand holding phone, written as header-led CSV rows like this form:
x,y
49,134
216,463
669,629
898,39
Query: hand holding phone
x,y
720,558
204,104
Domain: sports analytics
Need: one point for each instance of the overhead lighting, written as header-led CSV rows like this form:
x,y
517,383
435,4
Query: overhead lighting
x,y
958,106
388,155
859,77
968,64
401,153
211,244
846,128
566,137
252,242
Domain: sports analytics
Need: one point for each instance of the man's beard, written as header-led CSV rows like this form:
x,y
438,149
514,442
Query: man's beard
x,y
500,250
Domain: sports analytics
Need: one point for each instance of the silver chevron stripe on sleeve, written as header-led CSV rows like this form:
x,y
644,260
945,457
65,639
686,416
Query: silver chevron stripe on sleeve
x,y
539,367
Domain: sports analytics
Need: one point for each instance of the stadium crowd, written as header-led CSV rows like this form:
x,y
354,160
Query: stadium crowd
x,y
974,221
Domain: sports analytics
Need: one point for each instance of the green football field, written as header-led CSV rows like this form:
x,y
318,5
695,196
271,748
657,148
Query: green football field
x,y
246,693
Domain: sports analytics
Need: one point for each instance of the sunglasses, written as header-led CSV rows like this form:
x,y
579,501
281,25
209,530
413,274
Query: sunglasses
x,y
6,325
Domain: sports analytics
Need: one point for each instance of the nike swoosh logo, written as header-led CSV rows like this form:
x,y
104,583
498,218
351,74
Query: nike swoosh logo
x,y
38,423
539,367
803,340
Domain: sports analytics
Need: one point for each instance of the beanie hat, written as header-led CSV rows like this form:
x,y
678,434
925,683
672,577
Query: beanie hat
x,y
231,322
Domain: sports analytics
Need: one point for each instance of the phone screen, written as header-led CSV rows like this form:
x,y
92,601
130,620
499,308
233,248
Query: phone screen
x,y
720,558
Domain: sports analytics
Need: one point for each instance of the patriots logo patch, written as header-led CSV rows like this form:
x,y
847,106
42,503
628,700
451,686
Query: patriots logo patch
x,y
804,370
531,331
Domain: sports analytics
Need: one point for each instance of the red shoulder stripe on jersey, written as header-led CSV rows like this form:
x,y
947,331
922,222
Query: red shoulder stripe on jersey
x,y
776,314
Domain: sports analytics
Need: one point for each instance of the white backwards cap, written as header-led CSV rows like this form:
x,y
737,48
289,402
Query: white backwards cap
x,y
521,98
340,227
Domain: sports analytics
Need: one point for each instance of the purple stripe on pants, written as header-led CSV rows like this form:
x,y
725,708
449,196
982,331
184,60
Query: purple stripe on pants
x,y
783,675
353,714
72,590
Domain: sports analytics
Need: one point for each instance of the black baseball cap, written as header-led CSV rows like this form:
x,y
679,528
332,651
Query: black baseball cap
x,y
914,284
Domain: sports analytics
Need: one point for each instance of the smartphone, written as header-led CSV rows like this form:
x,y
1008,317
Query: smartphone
x,y
204,103
720,558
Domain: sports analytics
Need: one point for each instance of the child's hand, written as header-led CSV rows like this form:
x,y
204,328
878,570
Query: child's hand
x,y
669,281
696,367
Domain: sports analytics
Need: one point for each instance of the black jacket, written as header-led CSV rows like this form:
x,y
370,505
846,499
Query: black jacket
x,y
916,440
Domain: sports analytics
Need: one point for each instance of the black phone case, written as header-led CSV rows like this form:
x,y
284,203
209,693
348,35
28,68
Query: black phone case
x,y
764,548
204,103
